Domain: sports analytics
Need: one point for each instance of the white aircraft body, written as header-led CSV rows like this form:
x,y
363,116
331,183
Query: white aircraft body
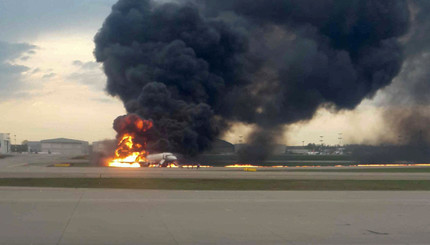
x,y
160,159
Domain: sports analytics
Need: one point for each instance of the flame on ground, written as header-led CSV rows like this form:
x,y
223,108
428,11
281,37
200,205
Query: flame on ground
x,y
129,153
196,166
126,156
243,166
124,165
336,166
394,165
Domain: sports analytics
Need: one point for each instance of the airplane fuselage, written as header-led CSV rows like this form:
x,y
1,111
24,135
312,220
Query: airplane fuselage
x,y
160,159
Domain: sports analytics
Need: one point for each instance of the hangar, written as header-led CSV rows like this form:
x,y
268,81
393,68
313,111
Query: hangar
x,y
104,146
65,146
221,147
34,146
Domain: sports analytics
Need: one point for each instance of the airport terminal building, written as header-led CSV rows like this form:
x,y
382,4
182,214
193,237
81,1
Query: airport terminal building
x,y
34,146
4,144
65,146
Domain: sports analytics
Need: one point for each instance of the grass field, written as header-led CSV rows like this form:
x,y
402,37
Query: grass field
x,y
218,184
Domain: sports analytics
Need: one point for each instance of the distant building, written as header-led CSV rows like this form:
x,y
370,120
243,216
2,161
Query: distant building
x,y
34,146
237,147
221,147
65,146
277,149
104,146
4,143
301,150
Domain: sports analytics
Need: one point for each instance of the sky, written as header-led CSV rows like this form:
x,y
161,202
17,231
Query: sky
x,y
51,86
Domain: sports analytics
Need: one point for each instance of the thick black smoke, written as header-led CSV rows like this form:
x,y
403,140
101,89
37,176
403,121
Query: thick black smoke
x,y
412,86
406,101
195,67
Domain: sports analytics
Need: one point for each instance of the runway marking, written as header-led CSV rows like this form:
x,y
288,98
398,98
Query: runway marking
x,y
163,223
16,165
378,233
70,218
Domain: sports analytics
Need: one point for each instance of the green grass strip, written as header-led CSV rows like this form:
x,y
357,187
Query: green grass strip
x,y
218,184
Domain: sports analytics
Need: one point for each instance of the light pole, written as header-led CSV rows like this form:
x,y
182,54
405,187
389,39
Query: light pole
x,y
322,144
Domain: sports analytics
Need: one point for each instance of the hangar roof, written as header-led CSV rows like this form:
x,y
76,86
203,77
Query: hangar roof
x,y
62,140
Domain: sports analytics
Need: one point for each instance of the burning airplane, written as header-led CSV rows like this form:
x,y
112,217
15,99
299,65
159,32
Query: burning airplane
x,y
194,68
132,141
131,150
161,160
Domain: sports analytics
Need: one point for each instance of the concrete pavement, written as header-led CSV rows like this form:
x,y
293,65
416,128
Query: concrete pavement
x,y
35,166
94,216
212,173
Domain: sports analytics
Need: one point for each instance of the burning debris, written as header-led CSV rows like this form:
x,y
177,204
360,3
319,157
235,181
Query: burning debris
x,y
132,141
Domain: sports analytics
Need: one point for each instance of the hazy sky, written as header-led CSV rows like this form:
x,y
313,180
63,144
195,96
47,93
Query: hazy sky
x,y
50,85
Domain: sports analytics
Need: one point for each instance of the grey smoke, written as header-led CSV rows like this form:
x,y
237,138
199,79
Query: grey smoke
x,y
406,101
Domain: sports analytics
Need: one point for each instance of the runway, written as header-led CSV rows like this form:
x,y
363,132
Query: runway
x,y
213,173
108,216
34,166
90,216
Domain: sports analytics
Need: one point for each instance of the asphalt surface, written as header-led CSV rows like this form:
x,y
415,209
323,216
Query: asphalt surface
x,y
101,216
35,166
216,173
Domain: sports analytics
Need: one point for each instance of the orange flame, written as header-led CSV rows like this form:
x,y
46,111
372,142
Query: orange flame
x,y
336,166
129,154
242,166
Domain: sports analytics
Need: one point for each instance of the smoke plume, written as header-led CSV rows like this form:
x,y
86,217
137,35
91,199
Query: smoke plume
x,y
132,125
406,101
195,67
409,142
